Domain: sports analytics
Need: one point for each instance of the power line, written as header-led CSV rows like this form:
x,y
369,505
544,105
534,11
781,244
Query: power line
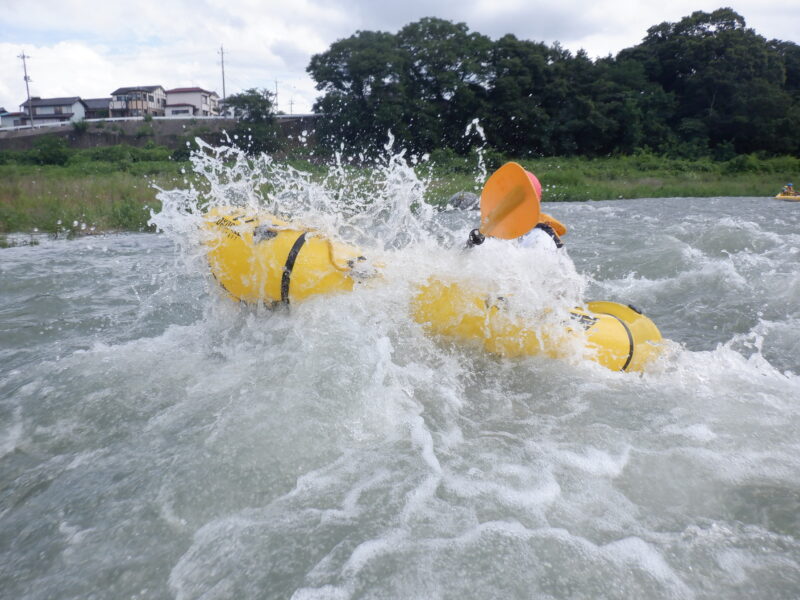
x,y
24,56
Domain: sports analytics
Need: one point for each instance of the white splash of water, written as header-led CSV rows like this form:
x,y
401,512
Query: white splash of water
x,y
482,173
381,207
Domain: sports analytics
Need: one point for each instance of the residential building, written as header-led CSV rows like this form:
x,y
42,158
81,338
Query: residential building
x,y
54,110
97,108
183,109
13,119
193,101
138,101
6,118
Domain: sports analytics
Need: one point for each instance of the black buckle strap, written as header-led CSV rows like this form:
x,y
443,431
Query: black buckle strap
x,y
551,232
286,278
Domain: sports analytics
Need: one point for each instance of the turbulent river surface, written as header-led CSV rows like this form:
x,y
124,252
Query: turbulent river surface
x,y
159,441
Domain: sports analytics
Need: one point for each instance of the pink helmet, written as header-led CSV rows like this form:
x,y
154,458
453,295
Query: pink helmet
x,y
536,185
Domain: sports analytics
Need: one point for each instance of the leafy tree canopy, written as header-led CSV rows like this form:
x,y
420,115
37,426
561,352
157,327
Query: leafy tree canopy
x,y
705,84
256,130
252,105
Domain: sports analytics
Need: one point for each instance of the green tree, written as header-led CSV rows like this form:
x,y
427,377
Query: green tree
x,y
50,150
705,85
424,84
727,80
364,97
790,55
517,122
256,130
446,70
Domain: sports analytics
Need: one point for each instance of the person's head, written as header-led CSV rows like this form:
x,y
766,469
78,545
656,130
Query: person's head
x,y
536,184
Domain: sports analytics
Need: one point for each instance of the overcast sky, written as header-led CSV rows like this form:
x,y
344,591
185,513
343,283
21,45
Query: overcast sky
x,y
88,49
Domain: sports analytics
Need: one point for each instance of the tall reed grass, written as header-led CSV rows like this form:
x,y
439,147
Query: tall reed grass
x,y
58,199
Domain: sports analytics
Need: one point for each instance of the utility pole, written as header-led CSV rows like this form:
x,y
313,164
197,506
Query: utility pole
x,y
291,105
276,95
23,56
222,59
222,62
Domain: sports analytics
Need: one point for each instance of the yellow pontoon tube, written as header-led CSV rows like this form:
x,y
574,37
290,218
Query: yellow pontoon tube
x,y
616,336
258,258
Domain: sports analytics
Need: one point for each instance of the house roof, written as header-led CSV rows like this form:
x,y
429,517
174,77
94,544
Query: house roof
x,y
136,88
97,102
185,90
69,101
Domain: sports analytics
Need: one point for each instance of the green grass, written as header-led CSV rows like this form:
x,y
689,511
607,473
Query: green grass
x,y
638,176
112,188
53,199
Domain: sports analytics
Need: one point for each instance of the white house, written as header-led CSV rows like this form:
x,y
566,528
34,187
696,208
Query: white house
x,y
192,101
15,119
50,110
181,109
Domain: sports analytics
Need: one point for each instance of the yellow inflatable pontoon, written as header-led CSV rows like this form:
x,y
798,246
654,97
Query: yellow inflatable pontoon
x,y
790,197
258,258
617,336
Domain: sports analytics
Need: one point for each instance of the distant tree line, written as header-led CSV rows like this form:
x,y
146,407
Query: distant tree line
x,y
704,86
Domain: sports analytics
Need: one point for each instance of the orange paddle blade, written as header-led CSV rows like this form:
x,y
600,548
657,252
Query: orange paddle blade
x,y
509,203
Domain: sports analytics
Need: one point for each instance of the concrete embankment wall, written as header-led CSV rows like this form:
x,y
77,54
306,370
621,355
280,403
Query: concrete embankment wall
x,y
171,133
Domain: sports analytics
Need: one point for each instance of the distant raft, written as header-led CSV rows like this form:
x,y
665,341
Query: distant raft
x,y
259,258
789,197
616,336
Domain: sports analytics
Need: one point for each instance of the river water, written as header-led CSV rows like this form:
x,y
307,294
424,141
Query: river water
x,y
159,441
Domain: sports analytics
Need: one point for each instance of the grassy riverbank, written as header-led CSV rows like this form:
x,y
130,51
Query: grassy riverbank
x,y
638,176
53,199
53,188
114,188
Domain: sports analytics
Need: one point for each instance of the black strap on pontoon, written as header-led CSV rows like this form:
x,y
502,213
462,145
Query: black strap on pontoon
x,y
551,232
286,278
630,340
